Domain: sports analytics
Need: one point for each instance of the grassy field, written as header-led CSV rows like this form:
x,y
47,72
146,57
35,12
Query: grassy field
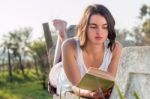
x,y
22,88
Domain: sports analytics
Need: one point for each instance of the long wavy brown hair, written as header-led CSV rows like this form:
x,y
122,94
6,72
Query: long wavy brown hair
x,y
84,22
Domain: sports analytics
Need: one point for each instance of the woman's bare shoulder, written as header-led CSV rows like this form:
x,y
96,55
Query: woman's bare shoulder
x,y
69,44
118,44
118,47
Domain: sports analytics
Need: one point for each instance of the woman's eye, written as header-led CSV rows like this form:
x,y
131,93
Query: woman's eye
x,y
105,28
93,27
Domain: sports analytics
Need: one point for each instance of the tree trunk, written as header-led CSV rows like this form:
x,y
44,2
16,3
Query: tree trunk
x,y
9,66
43,69
36,66
21,65
3,65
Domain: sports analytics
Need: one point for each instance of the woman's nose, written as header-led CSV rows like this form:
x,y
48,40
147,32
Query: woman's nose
x,y
98,31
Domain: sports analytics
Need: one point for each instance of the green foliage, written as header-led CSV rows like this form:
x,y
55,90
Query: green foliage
x,y
143,11
136,95
17,40
145,18
38,47
146,28
22,88
14,46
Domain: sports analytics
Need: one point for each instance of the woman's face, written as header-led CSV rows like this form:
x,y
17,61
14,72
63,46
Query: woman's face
x,y
97,31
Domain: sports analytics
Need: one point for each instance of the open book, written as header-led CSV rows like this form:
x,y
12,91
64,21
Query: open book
x,y
95,79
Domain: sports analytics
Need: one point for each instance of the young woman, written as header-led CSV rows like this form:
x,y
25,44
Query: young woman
x,y
94,46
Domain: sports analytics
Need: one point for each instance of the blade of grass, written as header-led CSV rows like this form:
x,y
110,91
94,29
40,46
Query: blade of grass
x,y
136,95
119,91
60,93
79,94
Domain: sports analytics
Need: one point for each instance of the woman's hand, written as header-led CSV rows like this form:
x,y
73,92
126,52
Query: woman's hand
x,y
60,25
95,95
99,95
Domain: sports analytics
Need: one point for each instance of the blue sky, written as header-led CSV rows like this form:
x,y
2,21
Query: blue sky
x,y
23,13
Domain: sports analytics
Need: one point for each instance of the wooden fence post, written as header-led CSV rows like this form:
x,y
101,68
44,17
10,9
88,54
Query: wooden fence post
x,y
48,39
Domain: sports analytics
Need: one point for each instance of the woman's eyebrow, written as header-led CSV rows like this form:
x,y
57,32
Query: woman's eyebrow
x,y
96,24
92,24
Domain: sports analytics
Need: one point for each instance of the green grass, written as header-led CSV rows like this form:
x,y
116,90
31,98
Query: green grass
x,y
28,87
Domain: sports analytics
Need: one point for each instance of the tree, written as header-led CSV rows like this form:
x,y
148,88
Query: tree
x,y
145,27
139,36
6,45
146,30
39,48
16,42
143,11
125,37
20,39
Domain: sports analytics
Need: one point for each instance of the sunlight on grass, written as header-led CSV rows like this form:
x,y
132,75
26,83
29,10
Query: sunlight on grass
x,y
28,87
6,94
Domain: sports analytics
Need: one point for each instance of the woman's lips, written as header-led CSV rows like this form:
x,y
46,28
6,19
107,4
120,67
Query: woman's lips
x,y
98,38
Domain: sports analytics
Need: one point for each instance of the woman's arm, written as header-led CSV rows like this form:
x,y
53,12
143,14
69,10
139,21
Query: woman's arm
x,y
70,65
69,61
116,54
